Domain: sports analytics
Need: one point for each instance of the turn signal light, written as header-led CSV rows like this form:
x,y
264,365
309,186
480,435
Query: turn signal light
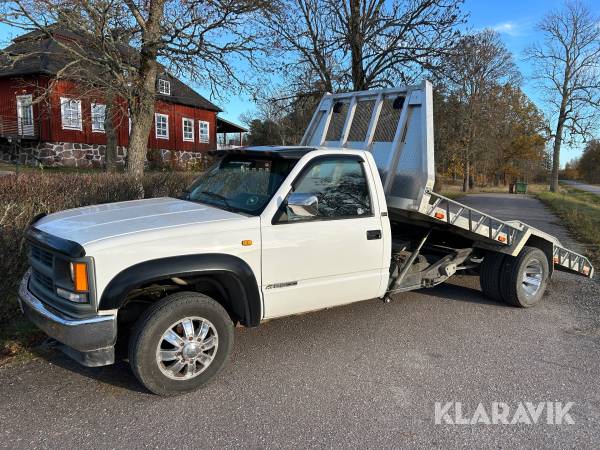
x,y
80,276
439,215
246,242
502,238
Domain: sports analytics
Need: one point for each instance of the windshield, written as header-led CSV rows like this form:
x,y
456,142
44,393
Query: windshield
x,y
241,183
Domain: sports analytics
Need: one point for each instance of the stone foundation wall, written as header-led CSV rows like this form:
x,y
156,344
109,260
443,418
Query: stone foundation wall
x,y
68,154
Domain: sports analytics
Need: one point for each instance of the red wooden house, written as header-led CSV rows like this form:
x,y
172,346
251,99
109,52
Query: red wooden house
x,y
47,120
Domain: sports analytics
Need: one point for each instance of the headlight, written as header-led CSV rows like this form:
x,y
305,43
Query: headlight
x,y
79,277
72,296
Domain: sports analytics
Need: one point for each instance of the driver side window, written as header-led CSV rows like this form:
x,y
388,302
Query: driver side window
x,y
340,187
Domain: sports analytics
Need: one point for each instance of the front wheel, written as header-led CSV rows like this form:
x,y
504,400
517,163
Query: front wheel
x,y
523,278
180,343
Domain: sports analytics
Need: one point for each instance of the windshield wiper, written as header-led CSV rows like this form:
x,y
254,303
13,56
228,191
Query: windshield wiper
x,y
218,196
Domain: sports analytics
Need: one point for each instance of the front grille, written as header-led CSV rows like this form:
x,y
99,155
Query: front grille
x,y
42,273
42,280
43,256
50,271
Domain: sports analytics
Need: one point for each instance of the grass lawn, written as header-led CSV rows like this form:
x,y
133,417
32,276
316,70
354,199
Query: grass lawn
x,y
580,212
4,167
38,169
454,189
454,195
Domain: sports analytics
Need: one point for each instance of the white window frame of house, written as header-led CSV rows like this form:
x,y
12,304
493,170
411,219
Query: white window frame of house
x,y
156,134
164,87
63,118
94,113
190,134
25,120
204,138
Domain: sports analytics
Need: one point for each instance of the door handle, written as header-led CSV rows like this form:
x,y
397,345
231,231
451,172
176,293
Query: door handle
x,y
373,234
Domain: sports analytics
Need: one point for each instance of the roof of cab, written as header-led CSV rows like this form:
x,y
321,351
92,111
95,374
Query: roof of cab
x,y
286,152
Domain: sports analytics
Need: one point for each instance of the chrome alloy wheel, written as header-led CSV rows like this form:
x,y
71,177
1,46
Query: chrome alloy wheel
x,y
532,277
187,348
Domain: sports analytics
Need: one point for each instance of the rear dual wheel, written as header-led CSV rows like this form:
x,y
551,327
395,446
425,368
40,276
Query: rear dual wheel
x,y
517,280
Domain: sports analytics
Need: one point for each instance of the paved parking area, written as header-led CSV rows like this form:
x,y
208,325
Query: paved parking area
x,y
363,375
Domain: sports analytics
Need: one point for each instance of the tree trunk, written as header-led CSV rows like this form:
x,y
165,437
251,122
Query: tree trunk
x,y
142,107
110,152
141,123
356,46
556,153
467,174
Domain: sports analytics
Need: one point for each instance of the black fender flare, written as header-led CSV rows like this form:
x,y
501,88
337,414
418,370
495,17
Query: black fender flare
x,y
235,273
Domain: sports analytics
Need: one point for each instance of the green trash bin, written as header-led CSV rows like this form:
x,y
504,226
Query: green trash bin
x,y
521,187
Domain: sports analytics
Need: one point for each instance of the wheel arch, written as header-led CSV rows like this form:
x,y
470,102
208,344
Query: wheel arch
x,y
544,245
232,276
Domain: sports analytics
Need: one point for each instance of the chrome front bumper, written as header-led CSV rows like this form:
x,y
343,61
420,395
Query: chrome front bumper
x,y
89,341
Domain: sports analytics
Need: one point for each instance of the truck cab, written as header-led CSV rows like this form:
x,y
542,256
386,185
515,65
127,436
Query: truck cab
x,y
265,233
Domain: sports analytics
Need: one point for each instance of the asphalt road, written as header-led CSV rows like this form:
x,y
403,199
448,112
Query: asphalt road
x,y
363,375
595,189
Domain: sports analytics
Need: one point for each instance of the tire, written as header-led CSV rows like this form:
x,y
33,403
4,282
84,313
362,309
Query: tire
x,y
489,275
202,347
515,290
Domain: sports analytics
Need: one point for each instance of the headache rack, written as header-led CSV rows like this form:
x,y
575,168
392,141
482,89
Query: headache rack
x,y
396,126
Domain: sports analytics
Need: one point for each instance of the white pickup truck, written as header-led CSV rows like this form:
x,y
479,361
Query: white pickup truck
x,y
348,215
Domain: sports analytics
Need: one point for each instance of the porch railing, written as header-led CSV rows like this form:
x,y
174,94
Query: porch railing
x,y
16,127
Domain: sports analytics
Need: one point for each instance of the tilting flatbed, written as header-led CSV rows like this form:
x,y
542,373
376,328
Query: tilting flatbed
x,y
396,127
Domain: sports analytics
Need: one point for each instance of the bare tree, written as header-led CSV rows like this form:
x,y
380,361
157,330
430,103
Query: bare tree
x,y
568,70
390,42
333,45
134,40
362,44
474,67
303,30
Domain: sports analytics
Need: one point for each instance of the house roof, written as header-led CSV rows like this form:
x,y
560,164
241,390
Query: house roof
x,y
225,126
34,53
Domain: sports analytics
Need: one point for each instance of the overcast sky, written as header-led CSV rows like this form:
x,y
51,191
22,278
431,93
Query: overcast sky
x,y
515,20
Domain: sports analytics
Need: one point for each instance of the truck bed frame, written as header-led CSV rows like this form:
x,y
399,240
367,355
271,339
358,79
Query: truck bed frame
x,y
396,126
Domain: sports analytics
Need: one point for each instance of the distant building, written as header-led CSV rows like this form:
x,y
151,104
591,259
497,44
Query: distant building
x,y
66,128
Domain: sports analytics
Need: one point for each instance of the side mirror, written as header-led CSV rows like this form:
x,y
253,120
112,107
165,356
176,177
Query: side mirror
x,y
303,205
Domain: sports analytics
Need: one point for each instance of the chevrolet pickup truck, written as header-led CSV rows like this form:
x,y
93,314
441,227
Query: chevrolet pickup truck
x,y
347,215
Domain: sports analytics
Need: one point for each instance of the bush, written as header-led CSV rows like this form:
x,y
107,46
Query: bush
x,y
25,196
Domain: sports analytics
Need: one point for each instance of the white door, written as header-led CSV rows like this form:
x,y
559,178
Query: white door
x,y
332,258
25,115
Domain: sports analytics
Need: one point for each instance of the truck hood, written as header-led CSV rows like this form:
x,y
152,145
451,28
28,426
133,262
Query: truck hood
x,y
94,223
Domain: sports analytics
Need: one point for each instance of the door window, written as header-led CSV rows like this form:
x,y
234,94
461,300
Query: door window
x,y
340,186
204,134
25,114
